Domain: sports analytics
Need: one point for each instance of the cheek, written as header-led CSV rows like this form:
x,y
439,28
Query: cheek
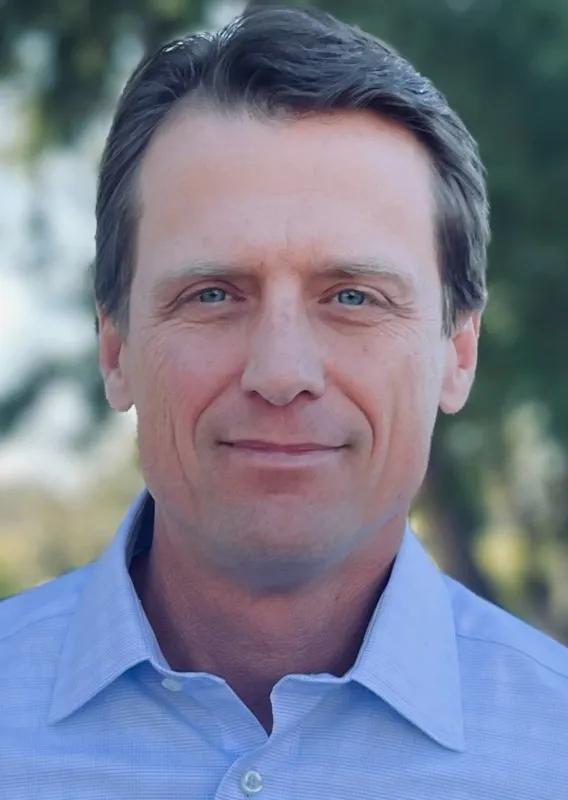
x,y
416,407
395,377
180,374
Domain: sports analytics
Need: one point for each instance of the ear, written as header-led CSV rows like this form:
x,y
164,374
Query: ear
x,y
113,361
461,362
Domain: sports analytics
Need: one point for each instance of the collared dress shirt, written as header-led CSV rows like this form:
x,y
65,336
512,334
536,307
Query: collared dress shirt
x,y
449,698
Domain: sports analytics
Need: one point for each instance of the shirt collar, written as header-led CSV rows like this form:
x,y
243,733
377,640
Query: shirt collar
x,y
408,658
109,633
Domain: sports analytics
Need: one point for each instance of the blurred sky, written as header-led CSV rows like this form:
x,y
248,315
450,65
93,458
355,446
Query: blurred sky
x,y
46,246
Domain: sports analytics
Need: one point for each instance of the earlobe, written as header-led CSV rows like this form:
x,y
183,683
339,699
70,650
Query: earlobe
x,y
113,364
460,365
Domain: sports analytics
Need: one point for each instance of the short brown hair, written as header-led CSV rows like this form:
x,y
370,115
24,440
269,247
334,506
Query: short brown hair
x,y
293,61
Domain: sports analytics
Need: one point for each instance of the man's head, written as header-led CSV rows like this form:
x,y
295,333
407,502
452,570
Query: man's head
x,y
291,243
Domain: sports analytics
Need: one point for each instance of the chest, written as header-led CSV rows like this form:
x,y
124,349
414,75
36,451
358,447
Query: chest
x,y
366,757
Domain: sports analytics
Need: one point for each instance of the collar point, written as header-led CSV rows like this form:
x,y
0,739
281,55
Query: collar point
x,y
453,739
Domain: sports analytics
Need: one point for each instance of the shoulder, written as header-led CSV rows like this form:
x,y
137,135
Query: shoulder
x,y
33,626
505,649
38,615
514,687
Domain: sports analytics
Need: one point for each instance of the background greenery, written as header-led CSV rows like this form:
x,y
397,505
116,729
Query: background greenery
x,y
495,505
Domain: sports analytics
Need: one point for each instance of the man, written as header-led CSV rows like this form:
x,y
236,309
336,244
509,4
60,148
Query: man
x,y
290,272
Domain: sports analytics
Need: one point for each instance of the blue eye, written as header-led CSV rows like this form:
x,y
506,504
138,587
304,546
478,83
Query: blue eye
x,y
351,297
213,295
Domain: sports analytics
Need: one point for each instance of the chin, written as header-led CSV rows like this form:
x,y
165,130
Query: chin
x,y
270,551
265,572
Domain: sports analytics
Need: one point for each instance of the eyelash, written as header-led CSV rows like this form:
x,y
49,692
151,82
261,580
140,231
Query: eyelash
x,y
194,296
370,298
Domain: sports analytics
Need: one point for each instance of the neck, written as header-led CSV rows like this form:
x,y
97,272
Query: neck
x,y
205,623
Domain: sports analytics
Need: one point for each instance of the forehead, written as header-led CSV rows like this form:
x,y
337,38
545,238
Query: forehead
x,y
287,192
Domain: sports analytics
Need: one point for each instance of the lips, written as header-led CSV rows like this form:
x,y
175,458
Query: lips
x,y
286,448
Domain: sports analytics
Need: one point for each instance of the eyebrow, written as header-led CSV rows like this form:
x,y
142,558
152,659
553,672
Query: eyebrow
x,y
197,269
368,268
200,269
337,269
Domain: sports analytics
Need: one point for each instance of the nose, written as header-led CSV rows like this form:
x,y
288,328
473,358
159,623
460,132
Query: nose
x,y
284,360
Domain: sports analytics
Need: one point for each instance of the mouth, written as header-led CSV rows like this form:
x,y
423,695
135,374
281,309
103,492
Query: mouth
x,y
281,453
300,448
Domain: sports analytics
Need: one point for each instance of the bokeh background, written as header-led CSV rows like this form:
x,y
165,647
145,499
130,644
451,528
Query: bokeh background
x,y
494,510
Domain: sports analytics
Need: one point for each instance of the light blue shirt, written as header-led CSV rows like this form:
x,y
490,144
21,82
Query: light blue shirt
x,y
450,698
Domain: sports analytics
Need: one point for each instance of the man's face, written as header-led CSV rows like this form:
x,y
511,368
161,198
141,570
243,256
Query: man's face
x,y
285,354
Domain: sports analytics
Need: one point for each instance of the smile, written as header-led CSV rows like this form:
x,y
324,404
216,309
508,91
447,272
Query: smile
x,y
296,454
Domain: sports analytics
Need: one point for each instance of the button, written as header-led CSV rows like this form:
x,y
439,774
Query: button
x,y
251,782
172,685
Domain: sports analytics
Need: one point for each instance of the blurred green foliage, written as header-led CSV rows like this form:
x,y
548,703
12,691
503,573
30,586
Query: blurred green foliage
x,y
495,503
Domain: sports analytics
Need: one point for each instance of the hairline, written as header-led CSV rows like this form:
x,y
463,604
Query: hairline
x,y
199,101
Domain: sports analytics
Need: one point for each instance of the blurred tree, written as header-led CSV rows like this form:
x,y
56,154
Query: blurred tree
x,y
503,64
80,43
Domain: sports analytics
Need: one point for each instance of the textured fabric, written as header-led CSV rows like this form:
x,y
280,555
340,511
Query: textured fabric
x,y
450,698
